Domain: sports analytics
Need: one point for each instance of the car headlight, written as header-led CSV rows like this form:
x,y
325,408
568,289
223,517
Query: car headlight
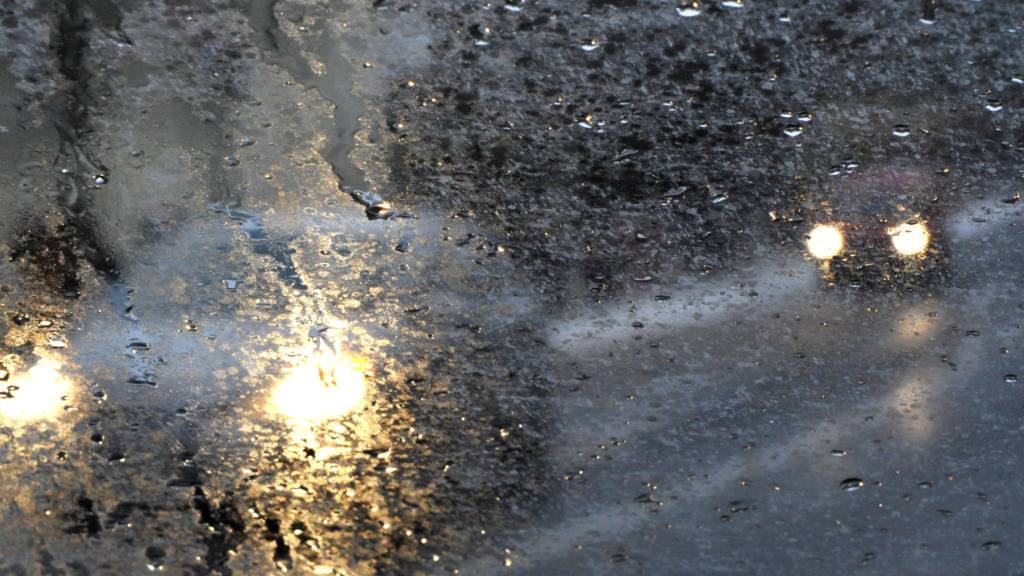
x,y
825,241
909,239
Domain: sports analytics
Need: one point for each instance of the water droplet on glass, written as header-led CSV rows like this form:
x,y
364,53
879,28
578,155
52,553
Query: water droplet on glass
x,y
993,105
805,117
404,243
838,452
901,130
852,484
733,3
590,46
687,11
1010,378
793,130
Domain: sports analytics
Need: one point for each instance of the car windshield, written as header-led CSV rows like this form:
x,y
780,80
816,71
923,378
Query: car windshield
x,y
511,287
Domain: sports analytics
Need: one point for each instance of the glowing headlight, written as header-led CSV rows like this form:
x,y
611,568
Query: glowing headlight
x,y
909,239
327,385
825,241
38,394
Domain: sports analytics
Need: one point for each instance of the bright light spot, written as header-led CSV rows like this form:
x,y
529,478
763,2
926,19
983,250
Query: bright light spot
x,y
825,241
37,394
909,239
327,385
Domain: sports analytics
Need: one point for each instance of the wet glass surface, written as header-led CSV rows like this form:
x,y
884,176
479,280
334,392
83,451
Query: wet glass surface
x,y
519,287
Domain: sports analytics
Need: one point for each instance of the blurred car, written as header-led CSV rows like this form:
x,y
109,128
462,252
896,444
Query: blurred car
x,y
880,226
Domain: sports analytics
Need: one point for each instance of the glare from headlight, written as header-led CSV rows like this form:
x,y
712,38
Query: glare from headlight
x,y
327,385
825,241
909,239
39,393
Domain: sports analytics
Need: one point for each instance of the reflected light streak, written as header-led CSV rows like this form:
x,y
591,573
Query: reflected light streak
x,y
909,239
37,394
911,402
326,385
918,324
825,241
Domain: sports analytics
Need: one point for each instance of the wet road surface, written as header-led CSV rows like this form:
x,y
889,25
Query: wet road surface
x,y
539,287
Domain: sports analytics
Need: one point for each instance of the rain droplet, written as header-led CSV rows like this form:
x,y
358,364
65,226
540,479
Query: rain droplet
x,y
993,545
852,484
590,46
901,130
838,452
687,11
733,3
1010,378
404,243
793,130
805,117
993,105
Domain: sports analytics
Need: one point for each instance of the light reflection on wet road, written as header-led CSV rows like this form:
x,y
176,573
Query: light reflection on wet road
x,y
375,288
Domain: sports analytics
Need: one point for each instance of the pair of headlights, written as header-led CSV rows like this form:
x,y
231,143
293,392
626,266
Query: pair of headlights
x,y
825,241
